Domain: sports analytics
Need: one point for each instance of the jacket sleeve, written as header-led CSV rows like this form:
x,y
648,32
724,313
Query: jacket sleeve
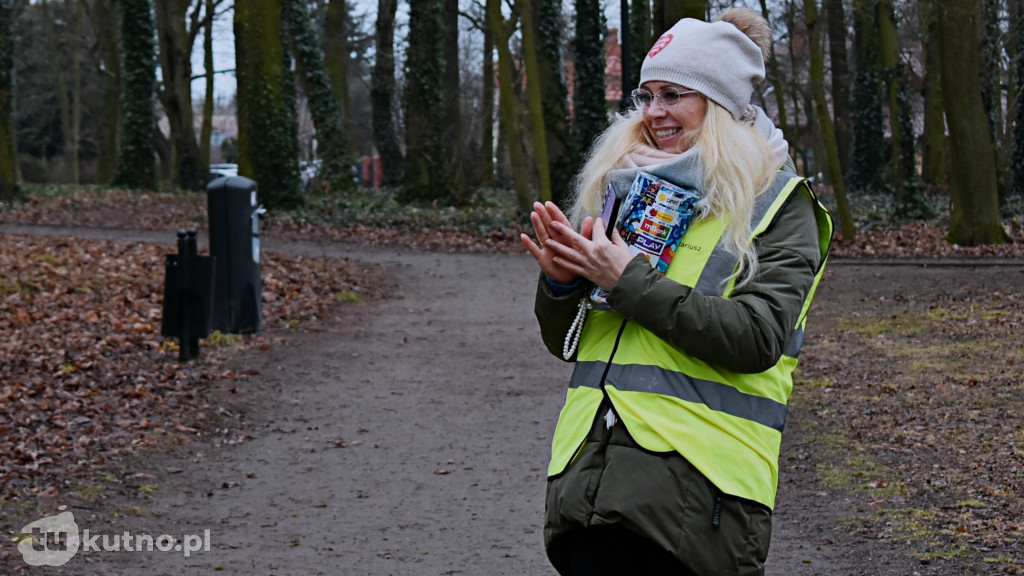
x,y
746,332
556,313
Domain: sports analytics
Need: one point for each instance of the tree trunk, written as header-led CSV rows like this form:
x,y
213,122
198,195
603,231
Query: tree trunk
x,y
641,38
104,19
561,163
866,156
800,108
487,151
817,80
668,12
974,215
778,83
452,125
1017,97
336,58
509,107
533,91
991,83
75,13
323,105
889,49
136,165
8,154
590,107
68,96
207,127
268,146
426,162
934,147
840,72
176,91
382,95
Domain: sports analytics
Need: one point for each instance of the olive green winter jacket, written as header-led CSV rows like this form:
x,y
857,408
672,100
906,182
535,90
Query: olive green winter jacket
x,y
661,496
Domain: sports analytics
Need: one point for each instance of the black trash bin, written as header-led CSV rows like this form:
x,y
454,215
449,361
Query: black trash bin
x,y
235,246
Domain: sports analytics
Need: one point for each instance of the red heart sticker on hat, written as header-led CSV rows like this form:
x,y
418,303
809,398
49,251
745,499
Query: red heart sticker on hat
x,y
659,45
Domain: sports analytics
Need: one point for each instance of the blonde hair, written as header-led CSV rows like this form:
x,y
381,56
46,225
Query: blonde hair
x,y
738,167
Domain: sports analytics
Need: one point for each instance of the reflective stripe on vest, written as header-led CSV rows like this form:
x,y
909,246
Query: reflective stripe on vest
x,y
728,425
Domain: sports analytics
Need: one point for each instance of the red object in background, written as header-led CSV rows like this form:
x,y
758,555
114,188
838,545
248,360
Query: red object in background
x,y
372,175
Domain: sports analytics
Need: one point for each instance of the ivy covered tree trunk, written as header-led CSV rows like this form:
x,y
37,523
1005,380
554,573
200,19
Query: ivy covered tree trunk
x,y
1017,163
840,73
974,215
866,161
175,94
382,95
991,49
641,39
426,162
268,145
8,156
554,94
535,104
817,80
323,104
336,58
136,164
934,147
590,107
103,15
509,106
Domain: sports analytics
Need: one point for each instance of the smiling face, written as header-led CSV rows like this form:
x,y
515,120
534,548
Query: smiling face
x,y
673,127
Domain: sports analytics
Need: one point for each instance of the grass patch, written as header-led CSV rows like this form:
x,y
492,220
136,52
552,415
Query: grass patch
x,y
347,297
958,551
218,339
910,523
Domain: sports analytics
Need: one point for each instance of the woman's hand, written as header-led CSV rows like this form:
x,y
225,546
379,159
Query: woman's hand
x,y
596,258
543,218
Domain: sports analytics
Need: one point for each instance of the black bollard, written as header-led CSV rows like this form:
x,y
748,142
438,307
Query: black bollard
x,y
188,295
189,348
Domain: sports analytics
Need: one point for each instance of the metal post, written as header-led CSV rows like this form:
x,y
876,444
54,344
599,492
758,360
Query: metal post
x,y
185,342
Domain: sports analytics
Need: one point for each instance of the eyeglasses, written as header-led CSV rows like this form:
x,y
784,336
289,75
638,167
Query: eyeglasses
x,y
643,98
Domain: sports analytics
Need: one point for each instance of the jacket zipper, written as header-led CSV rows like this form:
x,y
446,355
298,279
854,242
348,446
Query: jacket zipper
x,y
604,375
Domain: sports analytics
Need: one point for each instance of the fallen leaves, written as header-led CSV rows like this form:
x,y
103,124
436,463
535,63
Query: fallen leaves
x,y
928,419
87,378
922,240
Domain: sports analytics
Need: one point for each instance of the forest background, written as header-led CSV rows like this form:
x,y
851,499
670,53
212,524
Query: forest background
x,y
909,107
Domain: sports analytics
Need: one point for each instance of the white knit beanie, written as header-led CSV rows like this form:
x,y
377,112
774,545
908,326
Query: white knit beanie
x,y
713,58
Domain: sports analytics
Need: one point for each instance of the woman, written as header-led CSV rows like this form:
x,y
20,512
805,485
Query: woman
x,y
665,457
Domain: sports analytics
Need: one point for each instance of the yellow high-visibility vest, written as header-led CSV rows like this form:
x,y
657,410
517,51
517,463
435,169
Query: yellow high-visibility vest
x,y
727,424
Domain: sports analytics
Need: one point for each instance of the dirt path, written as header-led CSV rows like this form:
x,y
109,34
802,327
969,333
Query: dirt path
x,y
411,437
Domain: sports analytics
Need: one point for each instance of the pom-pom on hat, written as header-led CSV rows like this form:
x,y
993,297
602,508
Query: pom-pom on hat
x,y
713,58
